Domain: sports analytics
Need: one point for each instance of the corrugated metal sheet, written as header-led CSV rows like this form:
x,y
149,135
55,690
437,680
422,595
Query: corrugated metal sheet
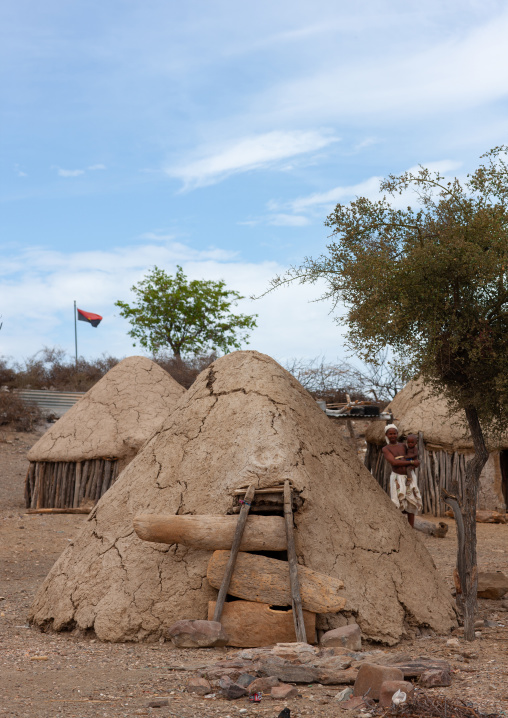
x,y
54,402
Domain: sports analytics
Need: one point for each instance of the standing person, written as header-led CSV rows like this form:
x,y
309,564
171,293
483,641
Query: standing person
x,y
404,490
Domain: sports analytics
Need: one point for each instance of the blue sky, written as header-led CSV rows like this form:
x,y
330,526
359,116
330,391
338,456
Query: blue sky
x,y
219,135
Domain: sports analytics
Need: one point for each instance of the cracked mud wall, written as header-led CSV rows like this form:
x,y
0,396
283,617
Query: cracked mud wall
x,y
115,417
244,420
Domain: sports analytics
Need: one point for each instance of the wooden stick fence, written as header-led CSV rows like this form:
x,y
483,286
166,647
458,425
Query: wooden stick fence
x,y
438,470
68,484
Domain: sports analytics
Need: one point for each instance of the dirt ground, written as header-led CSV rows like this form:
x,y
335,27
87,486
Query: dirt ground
x,y
47,674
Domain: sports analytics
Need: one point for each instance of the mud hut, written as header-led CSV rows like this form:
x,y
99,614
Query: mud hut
x,y
244,421
80,457
445,446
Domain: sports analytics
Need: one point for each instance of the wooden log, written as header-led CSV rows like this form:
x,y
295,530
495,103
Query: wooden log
x,y
40,495
27,487
463,480
32,477
68,510
63,484
100,479
251,625
107,477
77,485
91,478
50,473
431,529
230,565
266,580
262,533
84,479
434,484
69,472
96,479
420,471
296,600
33,502
490,517
428,479
368,456
58,481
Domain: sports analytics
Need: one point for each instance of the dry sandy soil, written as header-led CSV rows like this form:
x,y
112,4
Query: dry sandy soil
x,y
78,677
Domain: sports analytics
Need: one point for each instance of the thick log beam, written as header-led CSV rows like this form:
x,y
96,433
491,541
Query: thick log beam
x,y
266,580
427,527
212,533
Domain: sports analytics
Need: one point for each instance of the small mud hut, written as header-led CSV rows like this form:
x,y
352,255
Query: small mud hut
x,y
445,446
79,458
244,421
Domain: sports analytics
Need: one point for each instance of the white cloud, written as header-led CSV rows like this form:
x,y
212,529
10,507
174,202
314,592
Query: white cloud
x,y
70,173
246,154
465,69
288,220
39,287
76,173
325,201
156,237
367,188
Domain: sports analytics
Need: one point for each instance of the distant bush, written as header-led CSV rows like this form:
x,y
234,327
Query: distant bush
x,y
18,413
52,369
184,370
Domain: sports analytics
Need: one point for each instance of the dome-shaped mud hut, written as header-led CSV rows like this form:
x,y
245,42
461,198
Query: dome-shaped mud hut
x,y
79,458
244,421
445,446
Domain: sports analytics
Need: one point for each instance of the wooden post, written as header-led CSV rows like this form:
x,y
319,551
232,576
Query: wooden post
x,y
296,599
351,432
77,485
242,520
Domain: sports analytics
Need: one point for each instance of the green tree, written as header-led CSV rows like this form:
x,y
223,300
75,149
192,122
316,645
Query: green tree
x,y
431,284
188,316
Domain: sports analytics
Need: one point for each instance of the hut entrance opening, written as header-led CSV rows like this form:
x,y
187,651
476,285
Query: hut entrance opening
x,y
503,459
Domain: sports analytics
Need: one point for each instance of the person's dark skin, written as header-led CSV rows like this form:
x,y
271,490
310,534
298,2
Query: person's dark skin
x,y
411,451
399,466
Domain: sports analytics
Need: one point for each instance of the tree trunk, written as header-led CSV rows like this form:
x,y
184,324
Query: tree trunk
x,y
466,564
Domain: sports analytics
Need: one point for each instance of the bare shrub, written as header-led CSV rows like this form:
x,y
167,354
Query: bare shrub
x,y
19,414
50,368
184,369
326,382
7,374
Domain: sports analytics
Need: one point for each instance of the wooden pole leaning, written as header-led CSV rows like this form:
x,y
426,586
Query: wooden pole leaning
x,y
296,599
237,538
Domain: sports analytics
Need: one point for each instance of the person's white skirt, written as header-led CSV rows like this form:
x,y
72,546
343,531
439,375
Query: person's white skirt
x,y
405,494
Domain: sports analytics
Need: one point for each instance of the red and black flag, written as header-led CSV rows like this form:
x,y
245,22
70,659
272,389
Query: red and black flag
x,y
90,317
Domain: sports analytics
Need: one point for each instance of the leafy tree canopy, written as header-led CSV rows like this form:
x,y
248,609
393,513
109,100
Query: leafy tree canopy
x,y
188,316
431,282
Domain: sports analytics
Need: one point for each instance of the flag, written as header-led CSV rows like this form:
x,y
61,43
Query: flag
x,y
90,317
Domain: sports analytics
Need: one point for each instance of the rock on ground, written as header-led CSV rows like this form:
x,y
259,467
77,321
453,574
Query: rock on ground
x,y
245,420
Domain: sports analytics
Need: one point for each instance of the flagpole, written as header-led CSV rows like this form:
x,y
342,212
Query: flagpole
x,y
76,333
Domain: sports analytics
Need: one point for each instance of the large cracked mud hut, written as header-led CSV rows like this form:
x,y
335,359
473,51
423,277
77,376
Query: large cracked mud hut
x,y
445,448
245,420
80,457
